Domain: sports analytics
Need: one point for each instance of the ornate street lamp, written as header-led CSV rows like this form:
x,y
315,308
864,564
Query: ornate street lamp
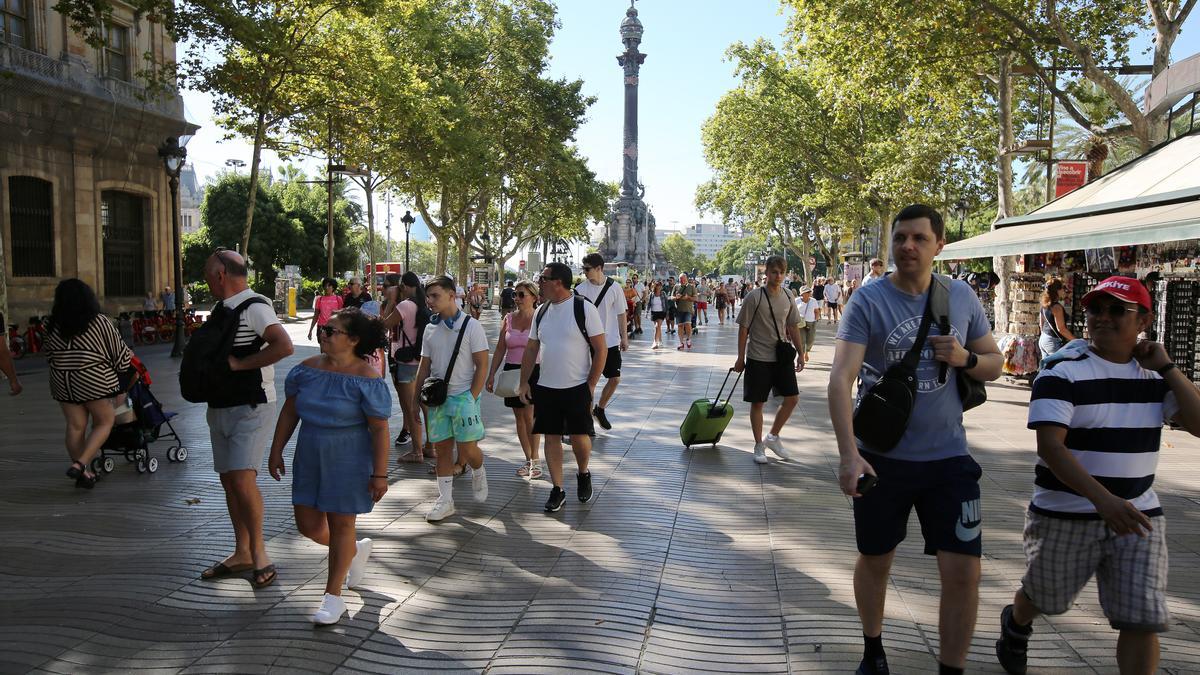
x,y
408,221
174,154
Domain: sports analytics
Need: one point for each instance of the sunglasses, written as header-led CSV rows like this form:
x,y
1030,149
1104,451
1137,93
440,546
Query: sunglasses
x,y
330,330
1114,311
543,279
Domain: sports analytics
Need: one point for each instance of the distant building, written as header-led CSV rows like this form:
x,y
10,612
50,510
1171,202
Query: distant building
x,y
707,238
83,192
190,197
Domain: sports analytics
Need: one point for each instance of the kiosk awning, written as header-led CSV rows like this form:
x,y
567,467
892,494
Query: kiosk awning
x,y
1154,198
1170,222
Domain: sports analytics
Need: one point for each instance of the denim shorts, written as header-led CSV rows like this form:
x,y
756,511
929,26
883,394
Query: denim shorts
x,y
403,373
683,317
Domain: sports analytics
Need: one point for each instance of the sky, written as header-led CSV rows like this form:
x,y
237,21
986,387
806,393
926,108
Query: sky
x,y
684,76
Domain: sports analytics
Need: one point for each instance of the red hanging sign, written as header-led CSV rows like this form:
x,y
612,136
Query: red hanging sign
x,y
1068,176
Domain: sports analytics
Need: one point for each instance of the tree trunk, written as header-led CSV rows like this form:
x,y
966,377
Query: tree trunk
x,y
259,132
885,237
464,265
1003,265
369,188
443,252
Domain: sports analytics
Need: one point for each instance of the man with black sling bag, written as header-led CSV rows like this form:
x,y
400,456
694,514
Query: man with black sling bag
x,y
907,434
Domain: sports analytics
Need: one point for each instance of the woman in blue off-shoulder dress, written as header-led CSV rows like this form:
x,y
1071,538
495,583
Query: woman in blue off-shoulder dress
x,y
339,469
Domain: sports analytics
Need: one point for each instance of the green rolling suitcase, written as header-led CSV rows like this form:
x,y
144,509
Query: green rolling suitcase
x,y
706,420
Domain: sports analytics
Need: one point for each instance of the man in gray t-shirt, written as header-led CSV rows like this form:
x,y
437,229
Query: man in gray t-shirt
x,y
768,317
929,469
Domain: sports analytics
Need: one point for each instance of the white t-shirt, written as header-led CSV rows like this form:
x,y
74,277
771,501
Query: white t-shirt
x,y
611,307
438,344
832,292
640,290
870,278
656,304
808,309
253,324
566,359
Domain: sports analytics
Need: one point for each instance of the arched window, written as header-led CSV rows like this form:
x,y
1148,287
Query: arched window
x,y
31,214
123,217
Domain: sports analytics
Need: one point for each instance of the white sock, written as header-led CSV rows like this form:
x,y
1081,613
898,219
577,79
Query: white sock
x,y
446,488
479,472
772,437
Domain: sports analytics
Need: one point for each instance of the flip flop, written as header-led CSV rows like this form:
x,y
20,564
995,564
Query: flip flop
x,y
268,572
411,458
221,570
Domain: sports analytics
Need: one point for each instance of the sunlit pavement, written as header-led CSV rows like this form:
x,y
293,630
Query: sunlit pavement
x,y
685,561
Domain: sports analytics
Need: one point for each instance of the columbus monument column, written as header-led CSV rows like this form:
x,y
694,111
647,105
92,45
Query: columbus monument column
x,y
630,233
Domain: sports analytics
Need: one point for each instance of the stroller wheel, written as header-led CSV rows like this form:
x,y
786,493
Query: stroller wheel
x,y
152,464
171,454
181,454
109,464
141,466
97,465
141,454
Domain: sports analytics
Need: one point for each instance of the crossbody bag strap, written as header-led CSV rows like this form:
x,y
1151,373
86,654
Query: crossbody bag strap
x,y
457,343
913,357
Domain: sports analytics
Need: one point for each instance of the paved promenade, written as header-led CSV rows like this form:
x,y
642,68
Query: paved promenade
x,y
685,561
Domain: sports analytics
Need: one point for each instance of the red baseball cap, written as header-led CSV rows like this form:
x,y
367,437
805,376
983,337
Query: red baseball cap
x,y
1124,289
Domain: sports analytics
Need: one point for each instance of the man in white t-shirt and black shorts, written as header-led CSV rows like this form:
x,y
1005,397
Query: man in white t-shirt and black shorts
x,y
569,330
609,300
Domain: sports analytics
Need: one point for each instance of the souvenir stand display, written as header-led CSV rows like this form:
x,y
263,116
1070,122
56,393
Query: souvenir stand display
x,y
1171,272
1019,343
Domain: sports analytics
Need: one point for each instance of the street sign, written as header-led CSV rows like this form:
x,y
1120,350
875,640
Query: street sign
x,y
521,265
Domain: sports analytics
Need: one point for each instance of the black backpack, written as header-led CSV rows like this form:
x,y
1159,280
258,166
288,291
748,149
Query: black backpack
x,y
507,298
204,374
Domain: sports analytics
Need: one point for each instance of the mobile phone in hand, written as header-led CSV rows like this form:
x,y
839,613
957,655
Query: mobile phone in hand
x,y
865,482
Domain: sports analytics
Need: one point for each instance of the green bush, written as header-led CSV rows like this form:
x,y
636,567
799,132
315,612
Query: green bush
x,y
201,295
309,290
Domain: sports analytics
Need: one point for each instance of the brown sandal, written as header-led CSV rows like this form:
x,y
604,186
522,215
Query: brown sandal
x,y
267,575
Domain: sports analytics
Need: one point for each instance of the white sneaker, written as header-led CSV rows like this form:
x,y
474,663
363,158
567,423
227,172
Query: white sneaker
x,y
479,484
331,611
776,445
358,566
442,508
760,453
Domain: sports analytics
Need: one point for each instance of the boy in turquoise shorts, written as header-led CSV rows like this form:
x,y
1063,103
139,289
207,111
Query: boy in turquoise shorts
x,y
457,421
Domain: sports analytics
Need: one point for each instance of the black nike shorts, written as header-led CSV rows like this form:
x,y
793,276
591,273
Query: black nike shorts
x,y
945,493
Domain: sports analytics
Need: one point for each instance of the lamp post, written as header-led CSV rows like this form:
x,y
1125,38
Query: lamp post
x,y
173,155
960,211
408,221
862,248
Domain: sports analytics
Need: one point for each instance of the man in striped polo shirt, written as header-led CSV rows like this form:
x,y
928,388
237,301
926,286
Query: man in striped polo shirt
x,y
1098,411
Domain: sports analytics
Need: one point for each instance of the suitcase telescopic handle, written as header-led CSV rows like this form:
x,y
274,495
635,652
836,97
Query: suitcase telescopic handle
x,y
717,400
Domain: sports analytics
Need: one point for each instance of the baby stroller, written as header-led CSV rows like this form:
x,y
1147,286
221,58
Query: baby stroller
x,y
140,422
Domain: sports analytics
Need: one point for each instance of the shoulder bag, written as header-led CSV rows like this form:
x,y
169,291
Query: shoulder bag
x,y
435,389
883,413
507,381
971,391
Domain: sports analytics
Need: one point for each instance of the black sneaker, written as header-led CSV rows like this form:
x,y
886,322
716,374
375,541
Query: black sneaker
x,y
875,666
1013,645
557,497
598,413
404,438
585,487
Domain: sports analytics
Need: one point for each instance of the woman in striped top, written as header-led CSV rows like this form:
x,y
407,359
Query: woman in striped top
x,y
85,354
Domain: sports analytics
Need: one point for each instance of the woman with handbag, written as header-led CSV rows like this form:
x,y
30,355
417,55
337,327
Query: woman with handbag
x,y
510,349
402,317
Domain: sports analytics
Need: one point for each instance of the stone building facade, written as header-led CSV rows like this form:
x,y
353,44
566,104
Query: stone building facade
x,y
83,192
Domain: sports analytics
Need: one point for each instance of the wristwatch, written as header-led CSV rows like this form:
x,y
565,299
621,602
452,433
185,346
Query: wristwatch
x,y
972,360
1165,369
